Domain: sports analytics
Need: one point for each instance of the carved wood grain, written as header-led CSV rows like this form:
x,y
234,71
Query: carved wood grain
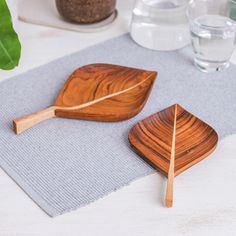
x,y
152,138
172,141
100,92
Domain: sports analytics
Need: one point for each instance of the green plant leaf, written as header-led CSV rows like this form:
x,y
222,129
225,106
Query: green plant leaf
x,y
10,48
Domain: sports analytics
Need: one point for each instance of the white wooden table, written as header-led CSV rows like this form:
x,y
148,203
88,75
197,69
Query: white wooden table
x,y
205,196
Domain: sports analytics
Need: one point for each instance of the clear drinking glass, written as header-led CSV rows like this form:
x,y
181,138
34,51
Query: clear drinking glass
x,y
160,24
213,33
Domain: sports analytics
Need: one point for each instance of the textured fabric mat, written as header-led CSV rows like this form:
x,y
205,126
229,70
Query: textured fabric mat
x,y
63,164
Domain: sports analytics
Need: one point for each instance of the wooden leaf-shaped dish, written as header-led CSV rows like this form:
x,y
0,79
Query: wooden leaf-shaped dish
x,y
100,92
173,140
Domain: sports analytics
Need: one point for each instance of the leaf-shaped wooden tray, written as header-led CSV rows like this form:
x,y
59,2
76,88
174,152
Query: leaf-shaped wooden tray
x,y
100,92
173,140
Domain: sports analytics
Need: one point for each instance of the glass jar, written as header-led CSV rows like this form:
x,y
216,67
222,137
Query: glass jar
x,y
160,24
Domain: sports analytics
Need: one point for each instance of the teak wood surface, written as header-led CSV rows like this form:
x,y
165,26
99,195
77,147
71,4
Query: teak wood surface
x,y
100,92
172,141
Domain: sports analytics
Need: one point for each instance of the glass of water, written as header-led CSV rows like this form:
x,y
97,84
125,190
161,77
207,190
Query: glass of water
x,y
213,33
160,24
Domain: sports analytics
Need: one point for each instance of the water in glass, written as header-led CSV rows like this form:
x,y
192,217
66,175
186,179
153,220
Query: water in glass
x,y
213,39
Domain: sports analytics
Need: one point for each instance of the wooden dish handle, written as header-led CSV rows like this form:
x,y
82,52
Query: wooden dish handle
x,y
171,172
170,188
25,122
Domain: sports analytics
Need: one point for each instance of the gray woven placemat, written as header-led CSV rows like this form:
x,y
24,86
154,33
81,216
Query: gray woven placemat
x,y
63,164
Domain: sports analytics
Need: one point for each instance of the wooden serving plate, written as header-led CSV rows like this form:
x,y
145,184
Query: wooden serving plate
x,y
173,140
100,92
